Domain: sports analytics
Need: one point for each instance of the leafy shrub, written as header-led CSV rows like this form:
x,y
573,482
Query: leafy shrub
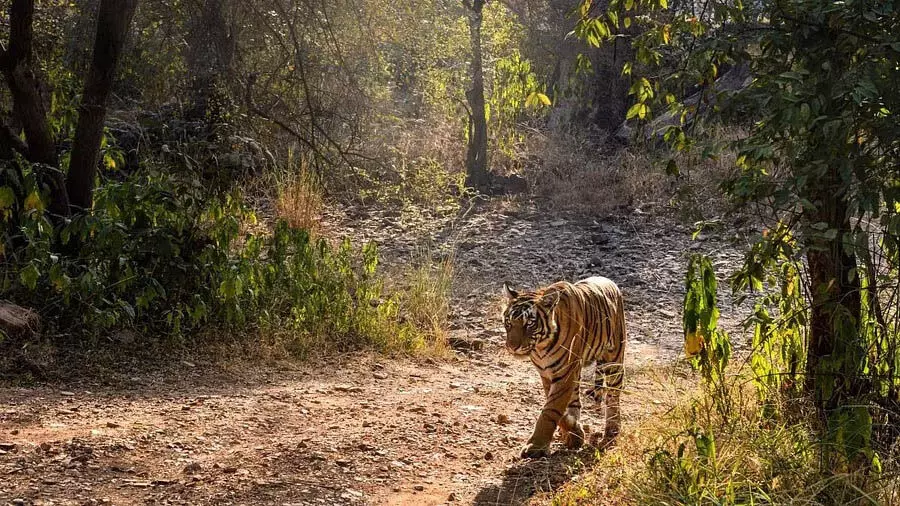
x,y
165,255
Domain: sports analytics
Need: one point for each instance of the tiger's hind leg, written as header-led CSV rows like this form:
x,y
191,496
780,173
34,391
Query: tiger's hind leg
x,y
572,432
570,428
597,392
613,383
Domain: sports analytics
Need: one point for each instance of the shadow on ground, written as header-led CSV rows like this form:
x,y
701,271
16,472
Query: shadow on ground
x,y
527,478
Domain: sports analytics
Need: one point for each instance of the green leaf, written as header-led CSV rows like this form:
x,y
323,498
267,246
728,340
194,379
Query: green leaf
x,y
30,275
7,197
641,89
537,99
636,110
672,168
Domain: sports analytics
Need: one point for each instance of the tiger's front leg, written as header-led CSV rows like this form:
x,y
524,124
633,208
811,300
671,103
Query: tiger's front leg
x,y
559,396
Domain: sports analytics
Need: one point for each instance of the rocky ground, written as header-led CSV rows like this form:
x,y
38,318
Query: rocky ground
x,y
367,429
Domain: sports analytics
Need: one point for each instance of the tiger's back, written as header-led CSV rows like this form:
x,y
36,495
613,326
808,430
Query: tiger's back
x,y
590,317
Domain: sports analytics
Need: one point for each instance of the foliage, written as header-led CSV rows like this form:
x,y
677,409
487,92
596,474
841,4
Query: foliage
x,y
763,452
426,300
708,347
818,164
516,95
163,256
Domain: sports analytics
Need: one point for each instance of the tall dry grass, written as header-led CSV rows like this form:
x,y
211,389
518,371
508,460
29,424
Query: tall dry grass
x,y
583,173
425,299
300,199
760,452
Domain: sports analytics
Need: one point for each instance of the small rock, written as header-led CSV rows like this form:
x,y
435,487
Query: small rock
x,y
503,419
419,488
112,425
192,468
343,462
451,497
380,375
66,393
488,456
229,470
7,447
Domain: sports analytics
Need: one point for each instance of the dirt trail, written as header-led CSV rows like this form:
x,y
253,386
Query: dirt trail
x,y
360,429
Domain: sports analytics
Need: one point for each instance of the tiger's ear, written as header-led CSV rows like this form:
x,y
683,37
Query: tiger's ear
x,y
511,294
550,301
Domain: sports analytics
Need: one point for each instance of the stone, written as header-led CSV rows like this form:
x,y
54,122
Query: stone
x,y
192,468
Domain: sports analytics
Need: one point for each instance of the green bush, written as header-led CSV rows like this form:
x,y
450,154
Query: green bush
x,y
166,256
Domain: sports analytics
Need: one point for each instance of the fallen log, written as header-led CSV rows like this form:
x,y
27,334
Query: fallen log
x,y
18,322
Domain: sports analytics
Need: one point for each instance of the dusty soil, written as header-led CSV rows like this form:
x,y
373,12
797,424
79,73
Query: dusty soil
x,y
365,429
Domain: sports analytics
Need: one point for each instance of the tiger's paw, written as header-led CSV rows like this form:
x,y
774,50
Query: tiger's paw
x,y
574,439
596,394
532,451
603,441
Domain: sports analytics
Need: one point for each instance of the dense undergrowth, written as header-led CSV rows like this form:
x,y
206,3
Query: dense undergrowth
x,y
745,451
163,256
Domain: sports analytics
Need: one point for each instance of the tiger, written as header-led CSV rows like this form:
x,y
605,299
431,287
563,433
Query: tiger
x,y
562,328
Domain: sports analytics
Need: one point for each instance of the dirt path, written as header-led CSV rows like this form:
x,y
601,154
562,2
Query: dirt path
x,y
368,430
360,429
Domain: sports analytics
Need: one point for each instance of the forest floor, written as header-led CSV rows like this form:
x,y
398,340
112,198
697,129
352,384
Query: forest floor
x,y
367,428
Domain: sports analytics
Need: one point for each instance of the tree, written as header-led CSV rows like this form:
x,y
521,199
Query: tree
x,y
113,20
477,175
31,110
210,52
820,159
29,107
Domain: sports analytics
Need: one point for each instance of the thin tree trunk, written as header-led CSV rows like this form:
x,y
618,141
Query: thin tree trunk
x,y
209,56
113,21
477,175
836,305
28,104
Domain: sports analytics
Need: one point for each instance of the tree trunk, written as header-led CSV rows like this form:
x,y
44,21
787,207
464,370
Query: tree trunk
x,y
113,20
477,175
609,87
209,56
834,351
28,104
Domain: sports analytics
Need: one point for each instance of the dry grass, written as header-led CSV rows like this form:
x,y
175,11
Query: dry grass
x,y
300,201
425,302
757,456
579,173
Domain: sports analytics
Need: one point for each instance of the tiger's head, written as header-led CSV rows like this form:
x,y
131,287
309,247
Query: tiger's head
x,y
529,319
